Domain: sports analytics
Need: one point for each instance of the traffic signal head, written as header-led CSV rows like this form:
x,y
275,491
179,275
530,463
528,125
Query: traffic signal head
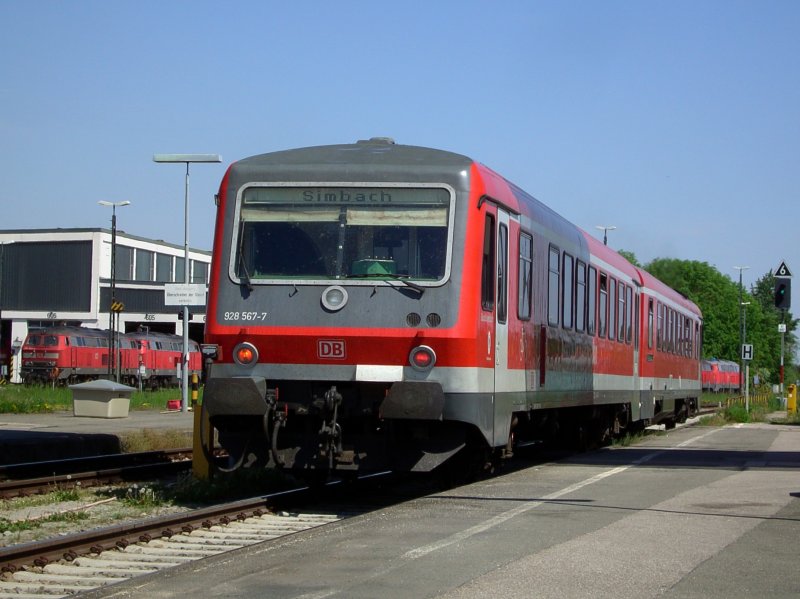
x,y
783,293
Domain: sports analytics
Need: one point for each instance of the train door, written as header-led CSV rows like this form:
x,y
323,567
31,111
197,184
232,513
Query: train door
x,y
501,312
633,295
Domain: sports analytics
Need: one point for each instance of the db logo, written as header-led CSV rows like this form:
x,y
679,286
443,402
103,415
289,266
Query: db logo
x,y
330,349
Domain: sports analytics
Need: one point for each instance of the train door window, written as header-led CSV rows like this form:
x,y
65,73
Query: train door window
x,y
553,281
629,316
603,318
612,308
687,337
660,327
698,335
621,312
580,296
591,313
671,330
567,293
525,276
650,316
487,272
502,275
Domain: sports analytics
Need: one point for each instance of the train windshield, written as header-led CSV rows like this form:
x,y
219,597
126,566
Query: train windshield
x,y
42,340
343,232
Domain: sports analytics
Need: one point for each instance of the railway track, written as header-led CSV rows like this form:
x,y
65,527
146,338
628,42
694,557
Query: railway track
x,y
21,480
80,562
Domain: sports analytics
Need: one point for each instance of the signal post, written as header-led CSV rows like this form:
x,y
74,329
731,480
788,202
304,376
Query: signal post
x,y
783,301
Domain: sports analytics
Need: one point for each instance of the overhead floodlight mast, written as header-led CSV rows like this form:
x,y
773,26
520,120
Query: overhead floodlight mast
x,y
605,230
186,159
113,317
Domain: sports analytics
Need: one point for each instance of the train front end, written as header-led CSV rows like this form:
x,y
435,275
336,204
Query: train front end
x,y
332,335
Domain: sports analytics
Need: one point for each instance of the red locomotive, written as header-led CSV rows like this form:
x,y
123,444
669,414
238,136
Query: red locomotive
x,y
67,355
719,375
376,305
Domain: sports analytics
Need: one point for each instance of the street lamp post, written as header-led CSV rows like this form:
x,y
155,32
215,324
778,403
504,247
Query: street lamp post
x,y
741,324
112,351
605,230
186,159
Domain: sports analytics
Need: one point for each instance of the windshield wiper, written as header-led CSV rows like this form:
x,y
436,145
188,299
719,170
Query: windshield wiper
x,y
382,275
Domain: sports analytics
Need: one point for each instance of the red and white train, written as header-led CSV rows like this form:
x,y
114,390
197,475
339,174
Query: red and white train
x,y
376,305
67,355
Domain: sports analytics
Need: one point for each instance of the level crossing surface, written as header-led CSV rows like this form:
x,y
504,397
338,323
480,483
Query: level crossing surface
x,y
698,512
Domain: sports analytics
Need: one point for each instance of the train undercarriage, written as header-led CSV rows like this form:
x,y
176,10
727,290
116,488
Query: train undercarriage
x,y
317,428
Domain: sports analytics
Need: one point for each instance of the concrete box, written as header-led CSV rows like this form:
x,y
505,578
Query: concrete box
x,y
101,399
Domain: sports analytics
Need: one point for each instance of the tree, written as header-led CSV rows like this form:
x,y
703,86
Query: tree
x,y
630,257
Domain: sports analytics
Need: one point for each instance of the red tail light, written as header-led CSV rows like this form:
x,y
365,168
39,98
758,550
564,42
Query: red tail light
x,y
422,357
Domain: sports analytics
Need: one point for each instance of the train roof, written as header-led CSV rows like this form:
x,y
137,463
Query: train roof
x,y
379,156
68,330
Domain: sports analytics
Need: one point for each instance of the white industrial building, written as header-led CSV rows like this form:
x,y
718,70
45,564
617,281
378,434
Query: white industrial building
x,y
63,276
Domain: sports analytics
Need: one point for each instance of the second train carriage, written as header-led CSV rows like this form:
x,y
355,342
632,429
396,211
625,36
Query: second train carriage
x,y
376,305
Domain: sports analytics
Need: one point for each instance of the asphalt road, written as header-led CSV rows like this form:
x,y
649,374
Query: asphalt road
x,y
700,512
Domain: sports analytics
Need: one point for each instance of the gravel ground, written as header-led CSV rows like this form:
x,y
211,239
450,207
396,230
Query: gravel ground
x,y
23,520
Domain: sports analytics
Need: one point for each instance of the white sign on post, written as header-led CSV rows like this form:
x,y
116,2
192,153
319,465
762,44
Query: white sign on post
x,y
184,294
747,351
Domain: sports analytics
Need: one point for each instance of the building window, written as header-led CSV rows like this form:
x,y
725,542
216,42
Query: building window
x,y
123,263
179,271
199,272
144,265
163,268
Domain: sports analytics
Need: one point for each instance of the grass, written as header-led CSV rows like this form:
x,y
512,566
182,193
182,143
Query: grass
x,y
8,526
21,399
735,410
152,439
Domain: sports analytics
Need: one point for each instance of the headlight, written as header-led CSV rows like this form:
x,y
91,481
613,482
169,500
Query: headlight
x,y
334,298
245,354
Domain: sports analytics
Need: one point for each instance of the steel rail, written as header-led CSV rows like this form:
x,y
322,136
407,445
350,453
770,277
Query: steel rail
x,y
70,547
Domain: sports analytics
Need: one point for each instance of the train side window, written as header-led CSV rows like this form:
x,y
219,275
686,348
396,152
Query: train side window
x,y
660,327
592,297
650,316
553,280
612,308
603,304
502,275
567,292
580,296
525,276
487,273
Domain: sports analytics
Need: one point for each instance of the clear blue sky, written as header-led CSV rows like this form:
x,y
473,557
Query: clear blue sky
x,y
676,121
